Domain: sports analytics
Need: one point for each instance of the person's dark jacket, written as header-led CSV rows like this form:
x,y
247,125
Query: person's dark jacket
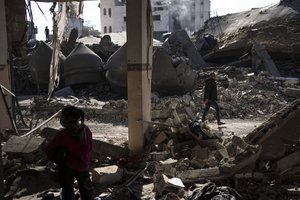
x,y
210,90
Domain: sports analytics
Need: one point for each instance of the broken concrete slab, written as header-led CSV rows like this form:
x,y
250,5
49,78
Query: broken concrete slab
x,y
29,148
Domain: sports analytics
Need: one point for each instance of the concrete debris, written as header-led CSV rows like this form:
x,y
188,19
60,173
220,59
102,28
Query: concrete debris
x,y
27,148
107,175
179,152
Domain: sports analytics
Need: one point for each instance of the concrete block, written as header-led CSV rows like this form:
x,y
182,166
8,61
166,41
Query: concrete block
x,y
107,175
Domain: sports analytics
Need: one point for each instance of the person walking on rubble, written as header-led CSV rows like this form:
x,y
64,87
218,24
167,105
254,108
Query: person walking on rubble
x,y
70,150
47,33
210,97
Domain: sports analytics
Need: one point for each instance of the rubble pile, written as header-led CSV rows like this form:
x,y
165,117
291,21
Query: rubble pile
x,y
241,95
195,156
247,96
178,157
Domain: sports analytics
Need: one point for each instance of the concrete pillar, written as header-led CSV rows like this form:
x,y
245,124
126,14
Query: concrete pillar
x,y
4,68
139,71
12,13
4,120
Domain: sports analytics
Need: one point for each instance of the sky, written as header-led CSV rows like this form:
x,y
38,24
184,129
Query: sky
x,y
91,11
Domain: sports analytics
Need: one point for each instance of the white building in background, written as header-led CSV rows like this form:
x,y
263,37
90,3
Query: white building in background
x,y
168,15
113,16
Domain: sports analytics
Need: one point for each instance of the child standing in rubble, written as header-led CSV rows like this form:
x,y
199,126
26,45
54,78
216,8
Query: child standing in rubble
x,y
70,150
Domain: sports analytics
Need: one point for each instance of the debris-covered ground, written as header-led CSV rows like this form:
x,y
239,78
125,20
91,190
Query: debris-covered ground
x,y
255,155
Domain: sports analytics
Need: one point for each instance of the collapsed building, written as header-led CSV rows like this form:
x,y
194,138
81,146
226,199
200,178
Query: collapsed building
x,y
183,158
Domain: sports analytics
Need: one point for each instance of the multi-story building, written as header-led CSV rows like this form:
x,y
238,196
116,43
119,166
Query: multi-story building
x,y
113,16
168,15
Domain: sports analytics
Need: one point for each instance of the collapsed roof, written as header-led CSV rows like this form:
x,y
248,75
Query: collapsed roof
x,y
276,27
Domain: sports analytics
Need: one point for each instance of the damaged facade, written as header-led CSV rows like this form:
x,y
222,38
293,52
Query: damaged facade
x,y
183,158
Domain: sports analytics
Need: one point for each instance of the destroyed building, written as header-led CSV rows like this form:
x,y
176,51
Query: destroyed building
x,y
253,156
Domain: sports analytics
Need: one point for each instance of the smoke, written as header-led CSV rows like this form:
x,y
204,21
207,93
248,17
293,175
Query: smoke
x,y
179,11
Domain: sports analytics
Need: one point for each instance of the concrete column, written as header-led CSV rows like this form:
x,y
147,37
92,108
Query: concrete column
x,y
139,71
4,120
4,68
